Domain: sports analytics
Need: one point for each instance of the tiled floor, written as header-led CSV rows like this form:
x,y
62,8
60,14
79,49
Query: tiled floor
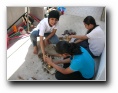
x,y
22,64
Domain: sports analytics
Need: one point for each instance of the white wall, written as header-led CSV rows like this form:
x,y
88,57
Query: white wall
x,y
84,11
13,13
37,11
101,75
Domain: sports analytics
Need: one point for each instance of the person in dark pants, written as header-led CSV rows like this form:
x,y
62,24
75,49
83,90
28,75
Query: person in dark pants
x,y
73,76
94,40
78,63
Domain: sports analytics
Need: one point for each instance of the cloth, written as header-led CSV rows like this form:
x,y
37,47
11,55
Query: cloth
x,y
83,63
83,66
35,33
85,45
96,41
44,27
61,8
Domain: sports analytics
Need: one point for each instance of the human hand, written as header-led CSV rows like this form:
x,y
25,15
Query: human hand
x,y
57,62
48,60
70,36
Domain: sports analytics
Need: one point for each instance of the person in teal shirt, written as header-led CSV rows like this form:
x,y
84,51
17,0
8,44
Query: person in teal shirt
x,y
78,64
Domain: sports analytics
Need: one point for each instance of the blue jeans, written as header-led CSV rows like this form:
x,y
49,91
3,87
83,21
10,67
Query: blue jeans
x,y
35,33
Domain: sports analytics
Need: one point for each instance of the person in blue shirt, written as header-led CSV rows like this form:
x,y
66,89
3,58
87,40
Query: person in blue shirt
x,y
78,64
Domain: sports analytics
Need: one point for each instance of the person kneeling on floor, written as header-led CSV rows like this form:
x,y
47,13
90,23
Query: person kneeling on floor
x,y
46,28
78,64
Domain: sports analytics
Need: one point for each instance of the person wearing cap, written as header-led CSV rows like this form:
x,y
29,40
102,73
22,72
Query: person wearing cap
x,y
46,28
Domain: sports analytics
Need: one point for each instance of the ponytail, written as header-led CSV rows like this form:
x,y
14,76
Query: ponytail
x,y
90,20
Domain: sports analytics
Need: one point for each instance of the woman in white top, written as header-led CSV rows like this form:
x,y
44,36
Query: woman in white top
x,y
46,28
94,40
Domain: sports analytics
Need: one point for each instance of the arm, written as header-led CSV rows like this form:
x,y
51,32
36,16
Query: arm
x,y
63,61
58,68
81,37
79,40
51,34
42,46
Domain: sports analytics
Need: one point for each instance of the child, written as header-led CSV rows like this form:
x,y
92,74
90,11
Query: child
x,y
78,63
94,40
46,28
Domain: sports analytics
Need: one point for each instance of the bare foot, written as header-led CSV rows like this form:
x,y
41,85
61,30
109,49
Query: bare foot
x,y
35,50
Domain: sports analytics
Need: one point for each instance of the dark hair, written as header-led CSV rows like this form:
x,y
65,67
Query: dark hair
x,y
54,14
70,48
90,20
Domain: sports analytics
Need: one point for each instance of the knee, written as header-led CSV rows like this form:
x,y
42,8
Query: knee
x,y
54,41
32,35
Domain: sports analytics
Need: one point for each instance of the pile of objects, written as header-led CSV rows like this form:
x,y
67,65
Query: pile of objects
x,y
45,66
69,32
50,52
66,35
